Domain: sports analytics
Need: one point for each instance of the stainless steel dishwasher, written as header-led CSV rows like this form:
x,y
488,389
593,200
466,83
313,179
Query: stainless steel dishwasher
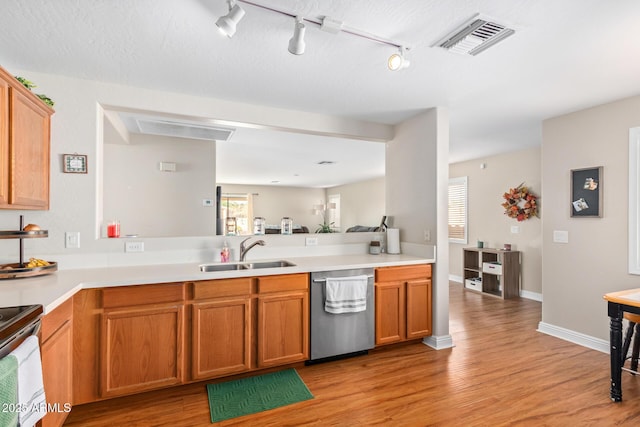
x,y
340,335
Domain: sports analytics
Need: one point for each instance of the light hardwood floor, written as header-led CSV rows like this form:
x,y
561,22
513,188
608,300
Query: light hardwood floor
x,y
501,372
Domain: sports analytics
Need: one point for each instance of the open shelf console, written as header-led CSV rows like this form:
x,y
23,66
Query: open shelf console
x,y
493,272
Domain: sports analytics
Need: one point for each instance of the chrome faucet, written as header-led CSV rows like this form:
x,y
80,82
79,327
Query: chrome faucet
x,y
244,249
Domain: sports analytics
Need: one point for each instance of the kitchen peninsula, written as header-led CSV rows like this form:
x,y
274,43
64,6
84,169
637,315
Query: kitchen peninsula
x,y
120,315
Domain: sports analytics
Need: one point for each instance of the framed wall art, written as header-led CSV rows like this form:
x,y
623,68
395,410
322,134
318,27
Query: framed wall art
x,y
74,163
586,192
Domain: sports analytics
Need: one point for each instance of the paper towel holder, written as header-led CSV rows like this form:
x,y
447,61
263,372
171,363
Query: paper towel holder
x,y
393,241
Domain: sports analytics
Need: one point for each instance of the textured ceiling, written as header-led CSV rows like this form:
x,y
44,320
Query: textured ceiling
x,y
565,55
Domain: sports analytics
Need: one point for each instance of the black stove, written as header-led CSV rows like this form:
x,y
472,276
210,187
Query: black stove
x,y
14,319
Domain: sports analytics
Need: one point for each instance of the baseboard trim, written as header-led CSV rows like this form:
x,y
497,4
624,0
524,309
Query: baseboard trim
x,y
457,279
574,337
531,295
439,342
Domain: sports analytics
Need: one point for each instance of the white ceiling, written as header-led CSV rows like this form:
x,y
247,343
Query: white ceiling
x,y
565,55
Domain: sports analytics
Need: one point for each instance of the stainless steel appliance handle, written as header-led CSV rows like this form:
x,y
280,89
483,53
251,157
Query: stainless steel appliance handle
x,y
325,279
12,343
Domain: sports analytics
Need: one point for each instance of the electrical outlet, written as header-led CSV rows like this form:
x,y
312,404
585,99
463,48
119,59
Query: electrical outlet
x,y
311,241
72,240
427,235
134,246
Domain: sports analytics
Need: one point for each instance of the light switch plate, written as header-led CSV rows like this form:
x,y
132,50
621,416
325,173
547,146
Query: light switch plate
x,y
560,236
72,240
311,241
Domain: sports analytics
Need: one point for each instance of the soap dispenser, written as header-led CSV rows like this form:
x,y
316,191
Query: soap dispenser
x,y
224,254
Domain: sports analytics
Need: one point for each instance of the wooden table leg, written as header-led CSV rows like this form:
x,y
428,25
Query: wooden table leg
x,y
615,342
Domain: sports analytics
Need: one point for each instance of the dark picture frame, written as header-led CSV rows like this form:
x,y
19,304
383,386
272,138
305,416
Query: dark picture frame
x,y
586,192
74,163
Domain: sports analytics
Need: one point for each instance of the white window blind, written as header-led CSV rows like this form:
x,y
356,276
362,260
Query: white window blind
x,y
458,210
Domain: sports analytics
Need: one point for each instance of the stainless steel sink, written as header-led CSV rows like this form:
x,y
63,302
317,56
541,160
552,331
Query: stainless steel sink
x,y
267,264
207,268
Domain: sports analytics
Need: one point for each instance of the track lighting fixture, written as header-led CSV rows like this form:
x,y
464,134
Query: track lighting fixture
x,y
227,24
296,44
399,60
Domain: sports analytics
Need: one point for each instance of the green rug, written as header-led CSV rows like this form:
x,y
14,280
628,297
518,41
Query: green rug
x,y
256,394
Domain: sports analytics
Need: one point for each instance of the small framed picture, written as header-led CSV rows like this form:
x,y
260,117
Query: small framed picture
x,y
586,192
74,163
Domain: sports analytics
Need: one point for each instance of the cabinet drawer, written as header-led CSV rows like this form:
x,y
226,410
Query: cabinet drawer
x,y
222,288
289,282
144,294
53,321
491,268
390,274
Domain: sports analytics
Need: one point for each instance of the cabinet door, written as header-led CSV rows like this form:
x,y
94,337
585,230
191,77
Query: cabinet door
x,y
141,349
57,370
221,337
390,312
418,308
29,153
283,328
4,143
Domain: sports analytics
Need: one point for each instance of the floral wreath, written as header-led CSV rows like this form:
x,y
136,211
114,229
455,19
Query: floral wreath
x,y
520,203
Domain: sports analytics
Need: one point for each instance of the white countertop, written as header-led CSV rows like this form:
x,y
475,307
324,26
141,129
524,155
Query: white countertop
x,y
53,289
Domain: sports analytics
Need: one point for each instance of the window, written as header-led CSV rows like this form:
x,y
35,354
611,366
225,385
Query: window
x,y
334,214
239,207
458,210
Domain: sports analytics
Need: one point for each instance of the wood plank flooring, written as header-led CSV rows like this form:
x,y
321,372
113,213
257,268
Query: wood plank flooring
x,y
501,372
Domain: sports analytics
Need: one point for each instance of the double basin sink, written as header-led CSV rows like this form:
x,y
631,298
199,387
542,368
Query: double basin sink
x,y
245,266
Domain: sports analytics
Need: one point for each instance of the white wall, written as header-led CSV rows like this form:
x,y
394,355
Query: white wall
x,y
76,127
416,200
486,218
361,203
273,202
152,203
577,274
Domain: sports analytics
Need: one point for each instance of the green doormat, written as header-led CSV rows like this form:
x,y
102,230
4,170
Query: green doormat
x,y
255,394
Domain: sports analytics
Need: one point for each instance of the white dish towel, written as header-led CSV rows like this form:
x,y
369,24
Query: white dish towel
x,y
346,294
31,399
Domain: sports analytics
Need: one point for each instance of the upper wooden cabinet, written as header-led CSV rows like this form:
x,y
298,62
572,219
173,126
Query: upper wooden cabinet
x,y
403,303
24,146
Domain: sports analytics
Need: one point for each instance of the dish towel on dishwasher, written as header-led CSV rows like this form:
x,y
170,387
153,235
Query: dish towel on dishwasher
x,y
345,294
9,390
31,399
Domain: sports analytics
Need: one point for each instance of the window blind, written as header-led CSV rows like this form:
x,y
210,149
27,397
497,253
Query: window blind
x,y
458,210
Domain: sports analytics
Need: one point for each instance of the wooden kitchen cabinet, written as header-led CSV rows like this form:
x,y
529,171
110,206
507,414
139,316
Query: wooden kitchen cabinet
x,y
25,123
403,303
142,338
283,319
57,363
221,332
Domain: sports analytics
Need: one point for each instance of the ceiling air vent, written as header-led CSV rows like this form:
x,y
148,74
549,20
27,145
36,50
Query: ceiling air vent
x,y
475,36
183,129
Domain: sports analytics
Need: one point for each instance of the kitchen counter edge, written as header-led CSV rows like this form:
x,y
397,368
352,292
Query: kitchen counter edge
x,y
52,290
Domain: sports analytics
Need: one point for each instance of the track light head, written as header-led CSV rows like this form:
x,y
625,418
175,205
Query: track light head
x,y
227,24
296,43
399,60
